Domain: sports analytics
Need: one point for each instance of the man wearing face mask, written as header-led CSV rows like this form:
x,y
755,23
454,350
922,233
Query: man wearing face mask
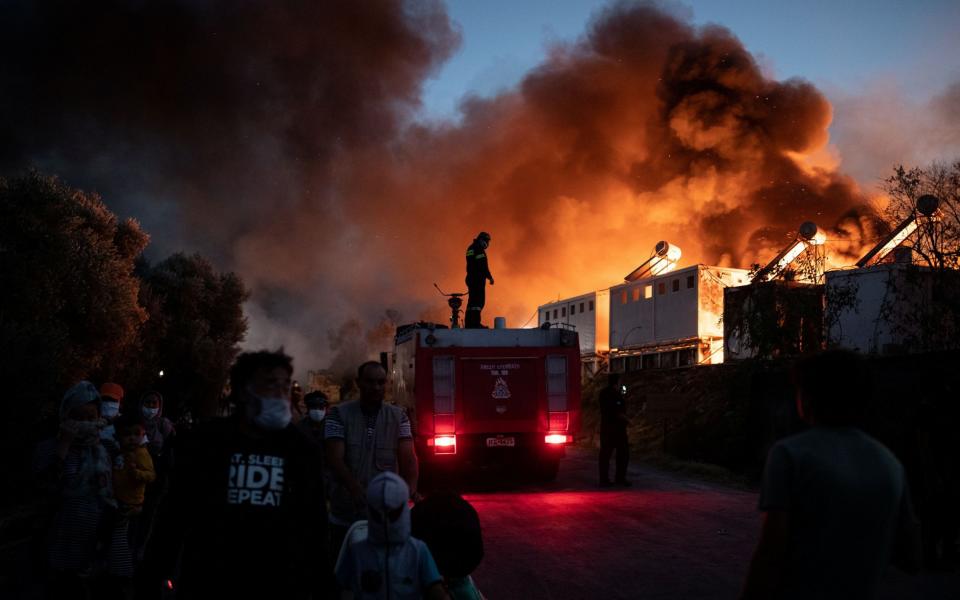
x,y
478,273
111,396
246,503
312,425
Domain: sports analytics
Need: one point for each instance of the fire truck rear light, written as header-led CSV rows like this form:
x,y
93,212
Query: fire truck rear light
x,y
558,421
443,424
443,444
558,438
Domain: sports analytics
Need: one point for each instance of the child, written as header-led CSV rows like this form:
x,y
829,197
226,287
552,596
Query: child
x,y
133,468
450,527
379,557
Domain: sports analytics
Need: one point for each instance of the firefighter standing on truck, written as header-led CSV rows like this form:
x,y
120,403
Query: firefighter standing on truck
x,y
478,273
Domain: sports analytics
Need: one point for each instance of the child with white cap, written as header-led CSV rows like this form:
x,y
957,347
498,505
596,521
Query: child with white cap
x,y
379,557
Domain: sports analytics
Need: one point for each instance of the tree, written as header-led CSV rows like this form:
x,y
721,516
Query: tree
x,y
195,325
922,304
69,307
939,245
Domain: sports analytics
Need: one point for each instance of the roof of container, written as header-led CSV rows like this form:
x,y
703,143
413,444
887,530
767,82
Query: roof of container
x,y
577,298
675,273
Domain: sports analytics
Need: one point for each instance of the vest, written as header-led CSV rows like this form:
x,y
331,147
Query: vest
x,y
365,460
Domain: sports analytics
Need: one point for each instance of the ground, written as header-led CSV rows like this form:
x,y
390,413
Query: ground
x,y
667,536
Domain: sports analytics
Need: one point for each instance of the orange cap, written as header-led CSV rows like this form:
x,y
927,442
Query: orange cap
x,y
112,390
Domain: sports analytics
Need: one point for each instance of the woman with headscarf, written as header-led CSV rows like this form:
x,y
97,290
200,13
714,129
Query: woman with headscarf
x,y
159,429
86,541
158,438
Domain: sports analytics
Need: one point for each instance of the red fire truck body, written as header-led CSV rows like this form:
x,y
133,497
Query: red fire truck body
x,y
489,396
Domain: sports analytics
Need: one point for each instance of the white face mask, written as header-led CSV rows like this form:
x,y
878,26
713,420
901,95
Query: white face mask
x,y
150,413
109,409
317,414
274,413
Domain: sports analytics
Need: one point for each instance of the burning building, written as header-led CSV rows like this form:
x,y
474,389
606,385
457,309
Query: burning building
x,y
589,314
659,317
780,313
890,303
670,320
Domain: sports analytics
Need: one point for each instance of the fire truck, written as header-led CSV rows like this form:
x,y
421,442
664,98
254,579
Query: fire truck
x,y
487,397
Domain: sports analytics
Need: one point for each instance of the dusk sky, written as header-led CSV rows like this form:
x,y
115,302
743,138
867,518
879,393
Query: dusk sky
x,y
844,45
891,56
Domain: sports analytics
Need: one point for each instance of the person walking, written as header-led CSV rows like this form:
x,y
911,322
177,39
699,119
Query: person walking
x,y
613,431
111,397
836,507
312,425
246,512
478,273
380,559
88,551
365,437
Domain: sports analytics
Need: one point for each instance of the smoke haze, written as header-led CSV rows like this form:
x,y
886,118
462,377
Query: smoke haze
x,y
280,139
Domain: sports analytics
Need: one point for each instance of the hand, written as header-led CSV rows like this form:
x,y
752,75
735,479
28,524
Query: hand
x,y
491,281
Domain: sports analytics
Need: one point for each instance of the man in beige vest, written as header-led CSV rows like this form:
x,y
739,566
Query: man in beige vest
x,y
363,438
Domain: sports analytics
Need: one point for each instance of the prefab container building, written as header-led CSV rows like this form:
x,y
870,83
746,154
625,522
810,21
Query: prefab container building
x,y
892,308
771,319
670,320
589,314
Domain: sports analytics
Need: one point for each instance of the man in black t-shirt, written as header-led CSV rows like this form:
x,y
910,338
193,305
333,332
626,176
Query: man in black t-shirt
x,y
247,505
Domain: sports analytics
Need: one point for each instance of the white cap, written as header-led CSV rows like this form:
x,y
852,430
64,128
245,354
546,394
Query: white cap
x,y
387,491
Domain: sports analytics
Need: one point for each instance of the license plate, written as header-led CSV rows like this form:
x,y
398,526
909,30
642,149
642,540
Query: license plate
x,y
501,442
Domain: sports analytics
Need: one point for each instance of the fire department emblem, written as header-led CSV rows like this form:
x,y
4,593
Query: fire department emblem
x,y
500,389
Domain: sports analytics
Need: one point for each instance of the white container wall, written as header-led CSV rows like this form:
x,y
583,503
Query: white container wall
x,y
683,308
875,310
589,313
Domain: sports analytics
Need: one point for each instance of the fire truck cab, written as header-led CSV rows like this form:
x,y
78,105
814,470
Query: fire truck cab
x,y
479,397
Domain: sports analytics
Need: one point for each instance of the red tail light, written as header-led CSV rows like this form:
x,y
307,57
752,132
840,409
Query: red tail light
x,y
443,424
558,421
558,438
443,444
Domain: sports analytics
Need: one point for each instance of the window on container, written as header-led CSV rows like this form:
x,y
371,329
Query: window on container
x,y
636,294
648,291
676,285
623,297
689,282
554,313
563,311
573,309
546,315
443,384
661,288
581,308
591,305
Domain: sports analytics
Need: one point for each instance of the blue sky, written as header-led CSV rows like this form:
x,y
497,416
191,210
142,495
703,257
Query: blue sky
x,y
842,46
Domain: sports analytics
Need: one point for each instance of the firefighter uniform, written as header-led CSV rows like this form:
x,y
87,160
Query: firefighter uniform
x,y
478,272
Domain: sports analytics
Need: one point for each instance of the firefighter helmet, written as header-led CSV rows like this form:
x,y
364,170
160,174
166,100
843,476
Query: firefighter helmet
x,y
483,235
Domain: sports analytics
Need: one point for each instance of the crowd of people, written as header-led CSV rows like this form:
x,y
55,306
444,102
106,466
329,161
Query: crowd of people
x,y
262,504
254,504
